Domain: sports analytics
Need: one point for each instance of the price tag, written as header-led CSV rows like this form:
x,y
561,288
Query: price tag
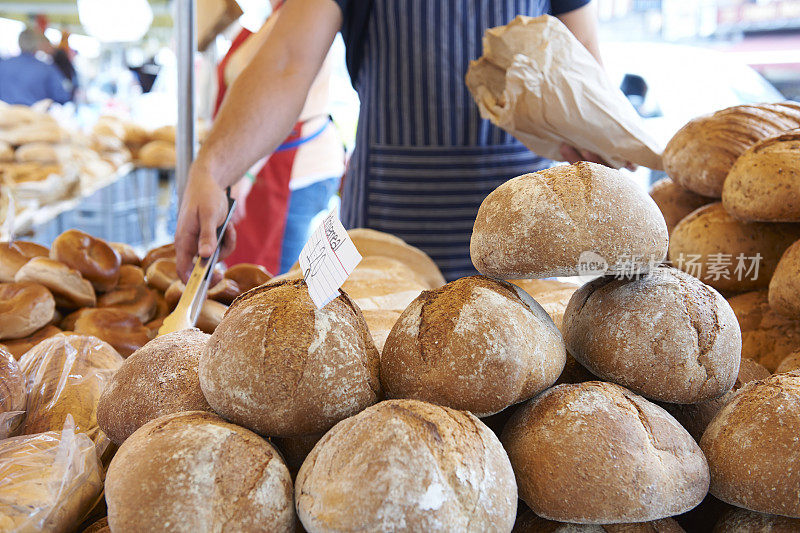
x,y
327,260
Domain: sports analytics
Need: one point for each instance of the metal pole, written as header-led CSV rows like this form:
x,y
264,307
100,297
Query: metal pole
x,y
185,142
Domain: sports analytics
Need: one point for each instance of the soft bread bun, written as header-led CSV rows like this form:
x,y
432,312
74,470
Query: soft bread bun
x,y
51,481
552,222
69,288
127,254
136,300
665,335
699,239
528,522
248,276
476,344
224,291
767,337
18,347
161,273
65,376
37,152
159,154
789,363
752,450
370,242
134,134
122,330
15,254
552,295
157,379
784,287
164,134
595,453
93,258
6,152
675,202
25,307
166,251
130,276
764,183
200,473
380,323
700,155
308,367
696,417
406,465
744,521
13,397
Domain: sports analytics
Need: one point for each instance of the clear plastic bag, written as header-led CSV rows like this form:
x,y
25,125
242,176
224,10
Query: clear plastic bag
x,y
48,481
65,375
12,394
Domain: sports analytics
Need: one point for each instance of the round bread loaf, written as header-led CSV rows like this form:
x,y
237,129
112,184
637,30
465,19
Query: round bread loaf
x,y
157,379
192,471
15,254
595,453
789,363
784,287
130,276
166,251
18,347
726,253
696,417
700,155
528,522
308,368
69,288
247,275
767,337
50,481
556,221
138,301
751,447
552,295
675,202
406,465
375,243
12,394
127,254
120,329
744,521
380,323
380,282
65,375
764,183
93,258
665,335
476,344
25,307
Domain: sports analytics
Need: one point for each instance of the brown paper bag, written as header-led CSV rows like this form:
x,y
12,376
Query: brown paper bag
x,y
536,81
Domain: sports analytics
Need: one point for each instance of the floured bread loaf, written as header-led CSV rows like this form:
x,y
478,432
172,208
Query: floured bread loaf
x,y
380,323
562,220
675,202
665,335
380,282
406,465
307,368
752,450
369,242
192,471
158,379
476,344
595,453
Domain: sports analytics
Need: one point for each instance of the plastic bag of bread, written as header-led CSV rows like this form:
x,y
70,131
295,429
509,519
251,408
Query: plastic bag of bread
x,y
48,481
12,394
65,375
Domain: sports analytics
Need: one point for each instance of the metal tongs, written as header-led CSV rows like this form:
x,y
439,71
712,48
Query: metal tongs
x,y
194,295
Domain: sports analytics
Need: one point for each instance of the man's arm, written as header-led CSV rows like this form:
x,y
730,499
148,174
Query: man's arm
x,y
257,114
582,22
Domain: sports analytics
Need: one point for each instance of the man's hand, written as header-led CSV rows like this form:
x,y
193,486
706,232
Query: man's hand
x,y
203,209
573,155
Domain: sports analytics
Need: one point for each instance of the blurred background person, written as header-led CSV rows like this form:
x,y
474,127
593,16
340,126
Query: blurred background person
x,y
26,79
62,59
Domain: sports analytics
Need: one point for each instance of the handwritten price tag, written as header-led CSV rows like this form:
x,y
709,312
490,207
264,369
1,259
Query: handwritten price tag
x,y
327,260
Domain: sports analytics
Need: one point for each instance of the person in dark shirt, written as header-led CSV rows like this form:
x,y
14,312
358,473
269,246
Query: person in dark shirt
x,y
424,159
25,80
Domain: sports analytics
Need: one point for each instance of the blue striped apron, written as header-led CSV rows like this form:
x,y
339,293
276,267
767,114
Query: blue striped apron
x,y
424,159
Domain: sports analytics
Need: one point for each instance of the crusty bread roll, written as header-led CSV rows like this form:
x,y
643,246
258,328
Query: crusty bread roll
x,y
308,367
476,344
157,379
406,465
595,453
380,323
248,276
25,307
675,202
160,154
137,300
552,222
127,254
715,247
192,471
751,447
50,481
696,417
528,522
69,288
130,276
784,287
93,258
744,521
666,335
700,155
166,251
120,329
789,363
13,397
161,273
552,295
18,347
764,183
15,254
767,337
370,242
